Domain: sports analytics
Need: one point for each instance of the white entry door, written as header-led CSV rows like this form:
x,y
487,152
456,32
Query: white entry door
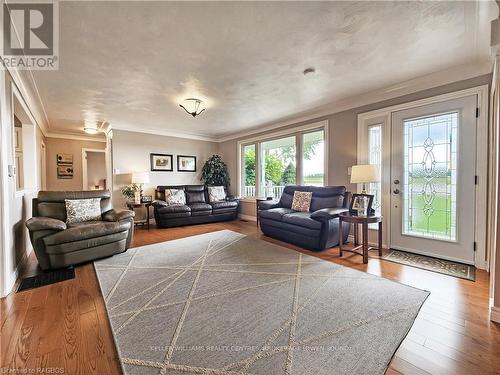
x,y
433,179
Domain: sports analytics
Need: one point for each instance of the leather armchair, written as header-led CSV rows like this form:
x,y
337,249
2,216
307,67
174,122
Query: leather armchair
x,y
58,245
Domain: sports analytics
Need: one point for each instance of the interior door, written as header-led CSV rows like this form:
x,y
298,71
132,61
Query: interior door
x,y
433,179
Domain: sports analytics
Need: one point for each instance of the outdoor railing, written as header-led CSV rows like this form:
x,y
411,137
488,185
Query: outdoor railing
x,y
277,191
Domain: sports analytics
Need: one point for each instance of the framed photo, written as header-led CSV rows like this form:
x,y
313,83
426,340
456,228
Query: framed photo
x,y
64,172
162,162
359,202
147,198
186,163
64,159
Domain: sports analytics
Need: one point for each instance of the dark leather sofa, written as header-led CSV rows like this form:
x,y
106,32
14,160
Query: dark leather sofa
x,y
315,230
58,245
197,209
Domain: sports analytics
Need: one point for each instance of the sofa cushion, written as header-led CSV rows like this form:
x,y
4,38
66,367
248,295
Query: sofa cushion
x,y
81,210
175,196
224,204
172,211
195,197
287,196
301,201
327,197
216,194
275,213
302,219
83,231
197,207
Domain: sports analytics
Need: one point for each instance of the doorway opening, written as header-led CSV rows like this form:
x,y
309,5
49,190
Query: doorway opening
x,y
94,169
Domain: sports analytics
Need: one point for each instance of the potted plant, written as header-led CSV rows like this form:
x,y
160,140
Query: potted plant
x,y
215,173
128,191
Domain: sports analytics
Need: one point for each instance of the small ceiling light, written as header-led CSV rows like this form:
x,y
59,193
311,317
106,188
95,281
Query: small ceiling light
x,y
309,71
90,130
193,106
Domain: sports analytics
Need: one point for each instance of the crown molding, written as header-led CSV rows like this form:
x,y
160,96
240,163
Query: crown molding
x,y
459,73
75,137
167,133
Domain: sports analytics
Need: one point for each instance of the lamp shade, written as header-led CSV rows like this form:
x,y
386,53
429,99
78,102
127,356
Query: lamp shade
x,y
361,174
140,177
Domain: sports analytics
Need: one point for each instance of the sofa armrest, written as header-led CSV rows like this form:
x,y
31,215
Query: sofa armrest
x,y
326,214
45,223
267,205
347,199
232,198
159,203
114,215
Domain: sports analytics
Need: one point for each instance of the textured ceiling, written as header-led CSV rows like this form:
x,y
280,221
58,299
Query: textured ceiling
x,y
131,63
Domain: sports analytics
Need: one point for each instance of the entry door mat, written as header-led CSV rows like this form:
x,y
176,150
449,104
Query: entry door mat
x,y
223,303
446,267
46,278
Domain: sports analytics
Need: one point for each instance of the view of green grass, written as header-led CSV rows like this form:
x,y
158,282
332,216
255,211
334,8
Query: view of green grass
x,y
440,221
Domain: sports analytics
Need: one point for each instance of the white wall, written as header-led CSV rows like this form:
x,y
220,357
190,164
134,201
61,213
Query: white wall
x,y
15,205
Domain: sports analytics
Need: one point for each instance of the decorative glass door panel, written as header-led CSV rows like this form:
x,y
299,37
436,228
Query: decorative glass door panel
x,y
430,176
433,153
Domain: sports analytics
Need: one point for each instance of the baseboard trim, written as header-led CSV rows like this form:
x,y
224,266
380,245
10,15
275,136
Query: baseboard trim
x,y
247,217
495,314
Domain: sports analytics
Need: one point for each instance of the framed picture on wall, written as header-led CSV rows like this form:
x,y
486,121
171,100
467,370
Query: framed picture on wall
x,y
162,162
186,163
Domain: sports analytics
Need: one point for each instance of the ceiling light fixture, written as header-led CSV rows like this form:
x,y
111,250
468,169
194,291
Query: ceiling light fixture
x,y
193,106
90,129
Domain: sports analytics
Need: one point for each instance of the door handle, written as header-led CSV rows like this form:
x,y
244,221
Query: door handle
x,y
396,191
396,182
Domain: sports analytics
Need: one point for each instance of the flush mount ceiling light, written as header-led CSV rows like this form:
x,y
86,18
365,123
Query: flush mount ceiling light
x,y
90,129
193,106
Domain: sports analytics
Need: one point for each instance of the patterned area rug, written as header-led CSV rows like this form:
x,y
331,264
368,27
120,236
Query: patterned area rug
x,y
446,267
223,303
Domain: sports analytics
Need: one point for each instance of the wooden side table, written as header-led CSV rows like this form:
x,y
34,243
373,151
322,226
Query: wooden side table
x,y
131,205
364,221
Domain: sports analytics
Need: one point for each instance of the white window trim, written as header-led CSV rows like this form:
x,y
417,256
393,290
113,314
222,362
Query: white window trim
x,y
295,131
383,116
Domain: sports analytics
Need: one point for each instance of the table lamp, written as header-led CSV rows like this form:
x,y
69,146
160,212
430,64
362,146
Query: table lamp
x,y
363,174
139,178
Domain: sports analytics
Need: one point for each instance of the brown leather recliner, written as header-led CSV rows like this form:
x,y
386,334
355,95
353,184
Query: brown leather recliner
x,y
58,245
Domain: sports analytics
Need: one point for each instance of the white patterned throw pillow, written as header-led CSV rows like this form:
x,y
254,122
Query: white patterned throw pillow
x,y
216,194
80,210
175,196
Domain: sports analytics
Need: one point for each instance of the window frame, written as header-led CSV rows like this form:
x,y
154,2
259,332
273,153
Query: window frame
x,y
296,132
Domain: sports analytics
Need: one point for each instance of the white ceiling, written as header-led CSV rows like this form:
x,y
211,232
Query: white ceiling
x,y
131,63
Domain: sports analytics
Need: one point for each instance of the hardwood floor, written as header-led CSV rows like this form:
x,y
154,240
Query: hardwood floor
x,y
64,327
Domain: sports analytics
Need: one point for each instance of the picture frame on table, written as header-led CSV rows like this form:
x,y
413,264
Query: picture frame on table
x,y
186,163
358,202
162,162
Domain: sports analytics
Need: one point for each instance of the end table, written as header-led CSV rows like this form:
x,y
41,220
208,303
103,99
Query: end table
x,y
131,205
364,221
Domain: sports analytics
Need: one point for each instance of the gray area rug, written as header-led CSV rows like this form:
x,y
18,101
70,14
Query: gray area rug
x,y
446,267
224,303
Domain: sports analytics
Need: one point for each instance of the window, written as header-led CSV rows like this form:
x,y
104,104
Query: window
x,y
248,171
313,158
270,164
375,158
278,166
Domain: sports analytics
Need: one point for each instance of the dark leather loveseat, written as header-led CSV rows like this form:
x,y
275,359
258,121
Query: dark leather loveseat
x,y
58,244
315,230
197,209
